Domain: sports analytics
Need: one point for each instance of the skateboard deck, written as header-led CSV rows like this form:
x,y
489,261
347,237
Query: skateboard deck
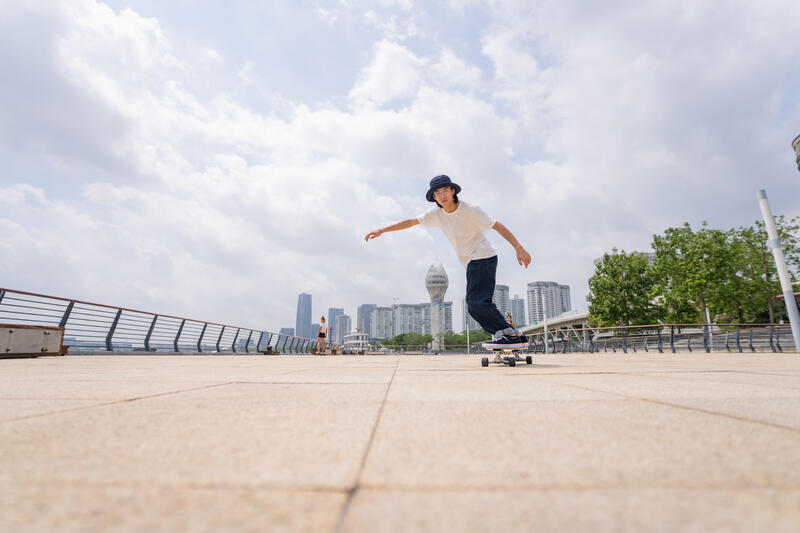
x,y
509,356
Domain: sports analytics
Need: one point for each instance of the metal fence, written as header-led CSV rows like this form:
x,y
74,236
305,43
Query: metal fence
x,y
670,338
91,328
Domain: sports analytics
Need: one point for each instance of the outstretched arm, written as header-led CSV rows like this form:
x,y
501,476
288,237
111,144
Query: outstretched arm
x,y
523,257
405,224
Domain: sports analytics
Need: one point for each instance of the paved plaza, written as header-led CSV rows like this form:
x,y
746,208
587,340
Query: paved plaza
x,y
577,442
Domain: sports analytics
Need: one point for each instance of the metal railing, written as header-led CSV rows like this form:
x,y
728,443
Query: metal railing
x,y
91,328
670,338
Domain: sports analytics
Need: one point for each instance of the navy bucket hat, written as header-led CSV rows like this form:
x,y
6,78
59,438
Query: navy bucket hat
x,y
438,182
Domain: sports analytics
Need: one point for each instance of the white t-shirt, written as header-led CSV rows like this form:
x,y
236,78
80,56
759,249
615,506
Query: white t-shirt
x,y
464,228
323,328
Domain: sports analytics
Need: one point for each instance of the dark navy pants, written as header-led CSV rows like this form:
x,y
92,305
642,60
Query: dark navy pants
x,y
480,289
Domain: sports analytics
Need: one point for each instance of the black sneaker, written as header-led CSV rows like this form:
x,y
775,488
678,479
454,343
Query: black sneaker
x,y
510,341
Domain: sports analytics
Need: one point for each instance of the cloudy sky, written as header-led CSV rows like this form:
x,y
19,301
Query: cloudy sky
x,y
214,159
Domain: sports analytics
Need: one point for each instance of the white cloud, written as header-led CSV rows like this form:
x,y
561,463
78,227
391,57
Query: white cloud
x,y
395,72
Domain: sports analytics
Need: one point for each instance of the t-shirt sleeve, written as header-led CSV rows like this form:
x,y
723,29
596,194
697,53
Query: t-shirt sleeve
x,y
482,220
429,218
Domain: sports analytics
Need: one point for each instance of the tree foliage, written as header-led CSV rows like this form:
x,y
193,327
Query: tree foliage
x,y
731,273
621,291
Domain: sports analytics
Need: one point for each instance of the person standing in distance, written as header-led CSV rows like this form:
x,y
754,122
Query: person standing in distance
x,y
322,332
465,226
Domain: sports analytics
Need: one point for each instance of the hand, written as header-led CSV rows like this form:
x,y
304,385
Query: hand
x,y
373,234
523,257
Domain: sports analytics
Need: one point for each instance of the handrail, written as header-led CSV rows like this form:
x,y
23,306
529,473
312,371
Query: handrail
x,y
93,327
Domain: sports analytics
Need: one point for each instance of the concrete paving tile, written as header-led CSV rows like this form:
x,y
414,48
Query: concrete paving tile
x,y
13,409
783,412
612,511
772,380
93,389
481,387
574,444
658,387
286,435
89,508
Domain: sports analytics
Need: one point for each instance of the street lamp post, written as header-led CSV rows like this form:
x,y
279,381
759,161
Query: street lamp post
x,y
780,263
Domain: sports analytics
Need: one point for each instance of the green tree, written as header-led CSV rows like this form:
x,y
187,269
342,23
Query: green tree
x,y
455,339
621,291
758,273
695,271
408,339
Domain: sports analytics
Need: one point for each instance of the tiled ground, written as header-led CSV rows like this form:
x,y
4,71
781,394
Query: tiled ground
x,y
604,442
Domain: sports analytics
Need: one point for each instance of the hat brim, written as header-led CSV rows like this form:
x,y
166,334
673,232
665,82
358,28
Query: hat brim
x,y
429,196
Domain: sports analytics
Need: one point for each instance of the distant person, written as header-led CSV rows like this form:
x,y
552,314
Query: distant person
x,y
510,320
322,332
465,226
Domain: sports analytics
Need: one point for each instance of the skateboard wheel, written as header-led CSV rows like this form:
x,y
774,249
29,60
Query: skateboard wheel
x,y
484,361
529,360
512,361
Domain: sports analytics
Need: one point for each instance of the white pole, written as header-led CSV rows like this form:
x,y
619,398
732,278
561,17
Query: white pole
x,y
780,262
710,333
544,318
467,339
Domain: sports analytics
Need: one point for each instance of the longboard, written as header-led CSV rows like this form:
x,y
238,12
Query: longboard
x,y
509,356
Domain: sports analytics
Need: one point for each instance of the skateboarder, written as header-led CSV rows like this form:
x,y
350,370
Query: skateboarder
x,y
465,226
322,332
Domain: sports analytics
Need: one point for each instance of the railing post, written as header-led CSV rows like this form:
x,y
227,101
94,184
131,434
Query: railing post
x,y
750,341
219,339
2,295
258,344
771,333
149,333
247,344
727,346
646,340
109,345
738,339
778,340
200,340
233,344
705,340
624,342
660,344
672,338
689,341
178,335
63,322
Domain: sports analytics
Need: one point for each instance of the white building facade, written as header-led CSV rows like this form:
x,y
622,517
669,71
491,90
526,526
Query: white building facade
x,y
556,300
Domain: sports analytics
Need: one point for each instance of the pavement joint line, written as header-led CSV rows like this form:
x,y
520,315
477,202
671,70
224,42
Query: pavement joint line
x,y
115,402
689,408
352,491
322,489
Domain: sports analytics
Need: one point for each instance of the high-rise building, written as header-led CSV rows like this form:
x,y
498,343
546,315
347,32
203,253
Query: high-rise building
x,y
362,317
448,316
343,327
518,311
333,312
407,318
302,326
315,331
556,300
287,331
467,322
381,323
500,299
